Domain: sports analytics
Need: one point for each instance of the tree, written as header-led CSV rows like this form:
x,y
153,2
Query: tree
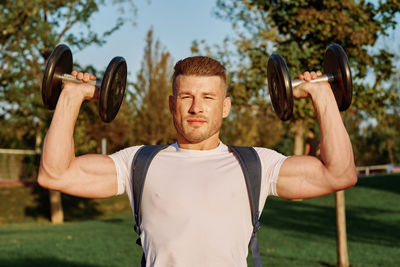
x,y
153,122
29,30
301,30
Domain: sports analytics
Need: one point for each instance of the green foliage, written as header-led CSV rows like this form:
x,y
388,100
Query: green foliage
x,y
153,121
302,30
29,30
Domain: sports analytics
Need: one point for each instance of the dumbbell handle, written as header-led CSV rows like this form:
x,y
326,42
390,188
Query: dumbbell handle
x,y
329,77
71,78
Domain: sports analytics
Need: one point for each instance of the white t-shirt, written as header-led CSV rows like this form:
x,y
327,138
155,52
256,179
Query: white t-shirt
x,y
195,206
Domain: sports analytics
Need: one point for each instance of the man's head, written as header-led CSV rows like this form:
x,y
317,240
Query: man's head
x,y
199,101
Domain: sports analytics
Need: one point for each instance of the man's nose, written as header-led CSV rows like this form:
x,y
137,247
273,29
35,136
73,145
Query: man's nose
x,y
196,107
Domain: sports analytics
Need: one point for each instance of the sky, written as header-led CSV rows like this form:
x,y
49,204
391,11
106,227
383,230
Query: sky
x,y
175,23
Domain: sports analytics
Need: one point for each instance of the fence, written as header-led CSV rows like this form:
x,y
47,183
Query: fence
x,y
19,165
22,165
376,169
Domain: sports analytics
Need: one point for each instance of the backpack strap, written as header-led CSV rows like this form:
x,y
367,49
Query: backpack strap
x,y
251,166
140,165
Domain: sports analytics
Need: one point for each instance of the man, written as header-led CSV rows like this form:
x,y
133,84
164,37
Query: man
x,y
195,208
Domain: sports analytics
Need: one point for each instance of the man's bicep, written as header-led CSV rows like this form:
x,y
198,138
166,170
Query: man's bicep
x,y
91,176
303,177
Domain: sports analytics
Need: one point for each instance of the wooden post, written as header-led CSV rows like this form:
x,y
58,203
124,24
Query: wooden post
x,y
57,213
342,253
104,146
299,130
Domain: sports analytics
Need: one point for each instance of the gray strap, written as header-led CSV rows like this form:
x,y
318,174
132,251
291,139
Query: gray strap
x,y
255,252
140,165
251,166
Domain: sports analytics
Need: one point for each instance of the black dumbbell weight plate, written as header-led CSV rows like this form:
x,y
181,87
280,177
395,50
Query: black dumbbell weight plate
x,y
112,89
280,87
336,62
59,62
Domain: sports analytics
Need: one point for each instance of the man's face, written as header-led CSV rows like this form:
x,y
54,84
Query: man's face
x,y
198,107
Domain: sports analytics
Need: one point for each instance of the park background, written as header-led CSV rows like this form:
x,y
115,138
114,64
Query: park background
x,y
152,36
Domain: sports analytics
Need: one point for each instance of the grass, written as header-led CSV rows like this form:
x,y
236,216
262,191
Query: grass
x,y
293,233
103,242
304,233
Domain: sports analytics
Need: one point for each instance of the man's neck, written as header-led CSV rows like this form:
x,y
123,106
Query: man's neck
x,y
208,144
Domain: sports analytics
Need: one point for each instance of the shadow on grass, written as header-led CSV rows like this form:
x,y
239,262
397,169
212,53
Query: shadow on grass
x,y
307,220
389,183
41,262
300,218
75,208
279,260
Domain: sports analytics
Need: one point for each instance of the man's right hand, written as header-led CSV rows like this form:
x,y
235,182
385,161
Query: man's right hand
x,y
88,92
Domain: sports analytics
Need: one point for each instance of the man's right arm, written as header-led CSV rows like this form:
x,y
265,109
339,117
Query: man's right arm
x,y
92,176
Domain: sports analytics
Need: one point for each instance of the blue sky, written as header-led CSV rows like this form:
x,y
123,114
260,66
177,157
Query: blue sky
x,y
176,23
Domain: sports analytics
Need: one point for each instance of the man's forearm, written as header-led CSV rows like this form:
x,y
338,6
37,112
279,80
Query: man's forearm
x,y
58,148
335,146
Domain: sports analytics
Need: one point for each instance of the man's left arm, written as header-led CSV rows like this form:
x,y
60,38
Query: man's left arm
x,y
306,176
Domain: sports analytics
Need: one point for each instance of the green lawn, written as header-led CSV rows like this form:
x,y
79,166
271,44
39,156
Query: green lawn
x,y
304,233
293,233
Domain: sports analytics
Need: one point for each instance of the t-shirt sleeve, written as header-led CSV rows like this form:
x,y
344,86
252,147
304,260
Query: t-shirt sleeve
x,y
123,163
271,162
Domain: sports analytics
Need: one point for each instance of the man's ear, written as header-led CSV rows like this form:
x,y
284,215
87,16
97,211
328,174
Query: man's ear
x,y
226,109
171,102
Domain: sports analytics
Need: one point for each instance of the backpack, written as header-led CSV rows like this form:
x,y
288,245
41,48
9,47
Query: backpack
x,y
251,166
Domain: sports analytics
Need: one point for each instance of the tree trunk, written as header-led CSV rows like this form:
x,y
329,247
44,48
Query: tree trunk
x,y
299,131
342,253
57,213
388,139
390,149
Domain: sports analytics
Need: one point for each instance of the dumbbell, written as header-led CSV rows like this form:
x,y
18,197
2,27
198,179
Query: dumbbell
x,y
111,88
337,73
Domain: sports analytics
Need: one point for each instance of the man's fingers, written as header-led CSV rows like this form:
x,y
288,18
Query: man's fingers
x,y
308,76
313,75
86,77
79,76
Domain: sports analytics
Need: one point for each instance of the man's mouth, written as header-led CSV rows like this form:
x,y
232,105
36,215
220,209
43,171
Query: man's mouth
x,y
196,121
